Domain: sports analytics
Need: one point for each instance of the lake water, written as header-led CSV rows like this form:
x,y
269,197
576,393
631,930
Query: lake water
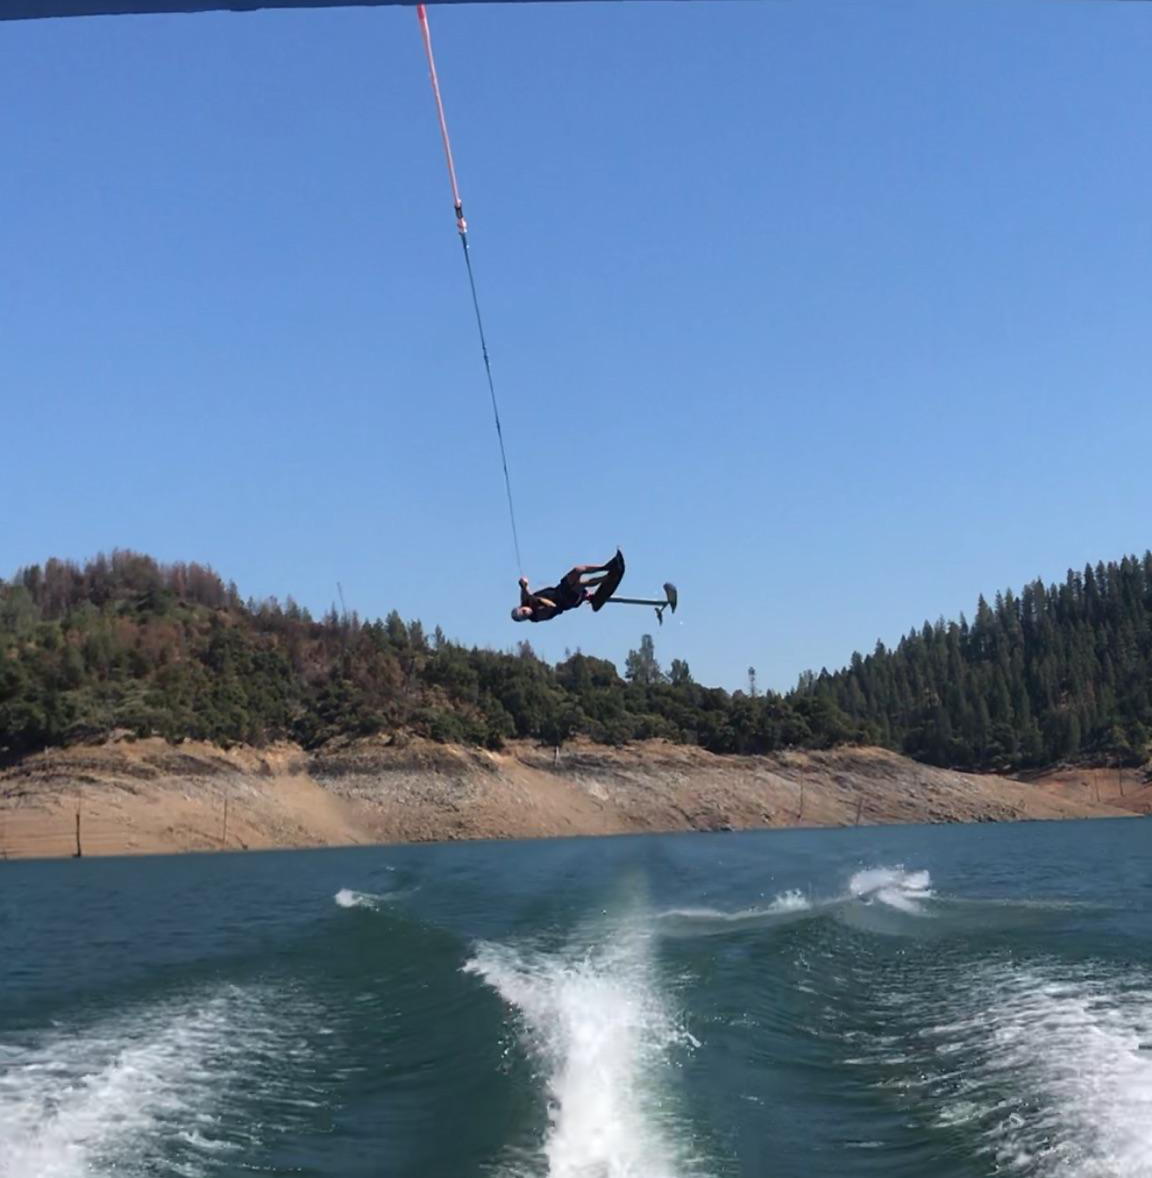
x,y
922,1001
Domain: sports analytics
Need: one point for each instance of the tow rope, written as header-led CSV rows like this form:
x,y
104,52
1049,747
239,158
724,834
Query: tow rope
x,y
462,229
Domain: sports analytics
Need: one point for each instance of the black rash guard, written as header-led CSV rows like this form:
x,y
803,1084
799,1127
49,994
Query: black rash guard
x,y
562,598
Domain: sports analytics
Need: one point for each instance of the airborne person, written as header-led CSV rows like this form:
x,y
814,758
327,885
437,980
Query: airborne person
x,y
575,588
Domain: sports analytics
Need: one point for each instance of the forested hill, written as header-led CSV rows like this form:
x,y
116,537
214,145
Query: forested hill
x,y
1054,673
123,643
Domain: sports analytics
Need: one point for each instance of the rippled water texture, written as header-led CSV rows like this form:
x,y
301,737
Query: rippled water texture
x,y
917,1001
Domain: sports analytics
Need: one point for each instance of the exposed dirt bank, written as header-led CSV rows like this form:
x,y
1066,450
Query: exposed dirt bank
x,y
148,796
1128,789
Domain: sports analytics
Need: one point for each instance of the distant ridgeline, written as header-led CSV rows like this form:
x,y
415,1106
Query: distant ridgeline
x,y
124,643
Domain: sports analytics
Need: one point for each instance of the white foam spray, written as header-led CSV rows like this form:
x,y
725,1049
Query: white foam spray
x,y
604,1035
904,890
113,1097
347,898
1056,1071
791,901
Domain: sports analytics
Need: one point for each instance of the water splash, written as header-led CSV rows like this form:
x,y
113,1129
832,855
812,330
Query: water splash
x,y
598,1024
347,898
904,890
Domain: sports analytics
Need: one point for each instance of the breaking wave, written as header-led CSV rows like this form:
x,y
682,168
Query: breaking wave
x,y
904,890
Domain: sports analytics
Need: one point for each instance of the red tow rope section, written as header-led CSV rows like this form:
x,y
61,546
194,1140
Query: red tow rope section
x,y
422,15
462,229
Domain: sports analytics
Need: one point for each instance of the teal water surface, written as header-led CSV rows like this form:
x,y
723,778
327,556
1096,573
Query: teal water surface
x,y
920,1001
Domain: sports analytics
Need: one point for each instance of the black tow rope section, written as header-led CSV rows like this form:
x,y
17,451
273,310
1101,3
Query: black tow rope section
x,y
462,229
492,394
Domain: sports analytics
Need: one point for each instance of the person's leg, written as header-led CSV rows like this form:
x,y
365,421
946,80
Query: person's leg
x,y
574,576
588,588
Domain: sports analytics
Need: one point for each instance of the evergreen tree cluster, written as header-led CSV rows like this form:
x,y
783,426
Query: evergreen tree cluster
x,y
1058,672
123,643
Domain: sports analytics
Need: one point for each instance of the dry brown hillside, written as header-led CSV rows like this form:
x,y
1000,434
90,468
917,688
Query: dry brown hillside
x,y
149,796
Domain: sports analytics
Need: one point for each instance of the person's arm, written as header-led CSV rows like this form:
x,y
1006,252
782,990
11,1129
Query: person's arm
x,y
527,597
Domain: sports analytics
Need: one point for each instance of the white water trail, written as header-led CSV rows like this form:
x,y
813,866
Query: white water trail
x,y
787,902
135,1094
1057,1071
601,1029
894,887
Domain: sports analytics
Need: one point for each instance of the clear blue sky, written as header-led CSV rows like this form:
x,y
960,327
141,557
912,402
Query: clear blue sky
x,y
836,314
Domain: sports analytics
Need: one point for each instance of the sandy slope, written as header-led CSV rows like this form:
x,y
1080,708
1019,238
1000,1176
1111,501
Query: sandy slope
x,y
1129,789
148,796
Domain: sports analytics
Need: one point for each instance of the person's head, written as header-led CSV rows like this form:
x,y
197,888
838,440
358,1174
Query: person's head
x,y
522,613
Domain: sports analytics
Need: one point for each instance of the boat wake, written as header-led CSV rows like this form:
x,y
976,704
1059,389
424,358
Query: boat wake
x,y
605,1039
1053,1070
159,1089
893,888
